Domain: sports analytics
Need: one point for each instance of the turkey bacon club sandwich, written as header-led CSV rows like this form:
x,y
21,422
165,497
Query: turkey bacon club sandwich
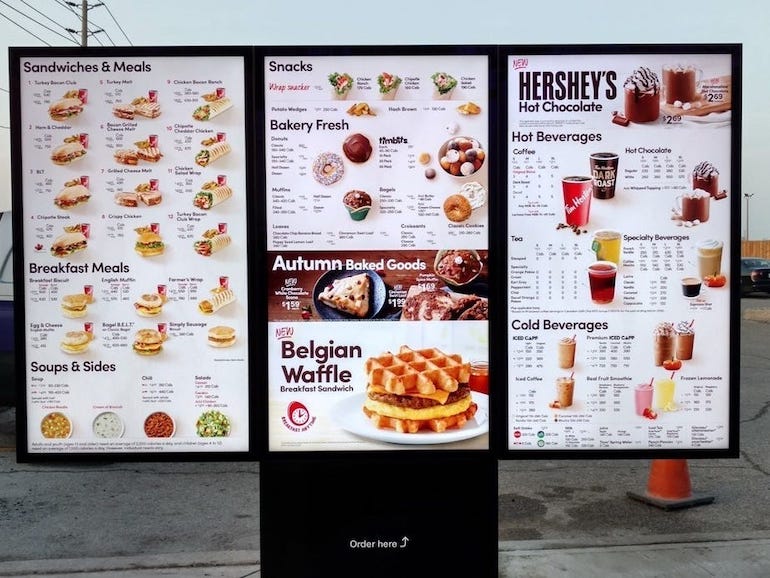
x,y
65,108
415,390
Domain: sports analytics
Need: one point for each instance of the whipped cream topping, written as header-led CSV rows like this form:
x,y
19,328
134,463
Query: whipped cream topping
x,y
643,79
704,170
684,327
664,329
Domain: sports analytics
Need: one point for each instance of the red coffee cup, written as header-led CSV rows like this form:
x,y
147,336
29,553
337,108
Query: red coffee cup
x,y
88,290
221,136
222,227
153,184
83,95
162,291
152,96
84,180
220,92
83,136
221,179
88,326
577,199
155,228
224,282
85,228
153,140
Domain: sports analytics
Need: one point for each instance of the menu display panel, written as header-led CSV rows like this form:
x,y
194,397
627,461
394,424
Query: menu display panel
x,y
623,198
133,193
378,170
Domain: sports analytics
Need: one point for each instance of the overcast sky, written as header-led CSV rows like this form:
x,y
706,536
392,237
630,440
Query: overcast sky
x,y
351,22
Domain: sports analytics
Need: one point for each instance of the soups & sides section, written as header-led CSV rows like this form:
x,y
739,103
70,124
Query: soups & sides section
x,y
377,196
134,212
622,198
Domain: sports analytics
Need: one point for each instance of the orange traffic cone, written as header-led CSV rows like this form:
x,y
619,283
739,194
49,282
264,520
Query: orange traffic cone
x,y
669,487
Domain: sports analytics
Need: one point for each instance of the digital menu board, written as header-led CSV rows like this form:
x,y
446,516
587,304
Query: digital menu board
x,y
134,239
623,194
377,171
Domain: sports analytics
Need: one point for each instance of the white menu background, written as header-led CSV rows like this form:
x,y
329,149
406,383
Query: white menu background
x,y
188,377
550,135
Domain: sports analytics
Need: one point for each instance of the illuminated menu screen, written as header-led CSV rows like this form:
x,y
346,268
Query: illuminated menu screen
x,y
134,242
618,256
377,197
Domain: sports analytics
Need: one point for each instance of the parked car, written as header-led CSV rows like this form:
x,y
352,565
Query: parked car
x,y
755,275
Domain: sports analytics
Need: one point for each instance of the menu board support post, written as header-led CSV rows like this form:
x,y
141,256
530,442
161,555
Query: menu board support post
x,y
669,486
324,516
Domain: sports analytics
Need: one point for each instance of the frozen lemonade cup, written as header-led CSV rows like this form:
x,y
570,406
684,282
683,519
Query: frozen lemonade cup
x,y
642,95
709,253
577,192
664,394
601,279
567,352
606,245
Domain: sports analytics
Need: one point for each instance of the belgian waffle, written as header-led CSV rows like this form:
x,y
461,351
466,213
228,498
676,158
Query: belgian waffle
x,y
421,370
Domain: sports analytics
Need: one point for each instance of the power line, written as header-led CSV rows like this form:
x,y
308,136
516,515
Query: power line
x,y
24,29
33,20
117,24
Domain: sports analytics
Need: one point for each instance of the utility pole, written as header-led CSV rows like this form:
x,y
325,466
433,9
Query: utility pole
x,y
84,23
84,8
747,196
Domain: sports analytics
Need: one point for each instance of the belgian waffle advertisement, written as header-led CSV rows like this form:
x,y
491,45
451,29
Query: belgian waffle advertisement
x,y
134,242
620,193
377,184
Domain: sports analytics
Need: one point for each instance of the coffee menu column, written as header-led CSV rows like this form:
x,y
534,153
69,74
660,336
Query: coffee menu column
x,y
619,217
377,187
134,242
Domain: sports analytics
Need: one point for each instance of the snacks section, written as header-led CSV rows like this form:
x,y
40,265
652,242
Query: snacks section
x,y
377,185
133,170
619,196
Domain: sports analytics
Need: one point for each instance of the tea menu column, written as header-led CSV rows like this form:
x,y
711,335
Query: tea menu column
x,y
619,214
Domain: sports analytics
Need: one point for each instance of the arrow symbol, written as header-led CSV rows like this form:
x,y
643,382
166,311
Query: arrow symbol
x,y
404,541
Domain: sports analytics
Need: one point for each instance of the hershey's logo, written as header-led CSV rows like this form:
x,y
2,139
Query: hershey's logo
x,y
567,84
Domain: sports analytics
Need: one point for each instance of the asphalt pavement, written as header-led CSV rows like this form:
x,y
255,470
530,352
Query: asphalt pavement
x,y
557,518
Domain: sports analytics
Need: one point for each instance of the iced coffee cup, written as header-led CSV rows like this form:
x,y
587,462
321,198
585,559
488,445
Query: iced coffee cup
x,y
642,95
606,245
577,192
664,342
709,253
604,170
705,177
567,352
565,388
685,340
